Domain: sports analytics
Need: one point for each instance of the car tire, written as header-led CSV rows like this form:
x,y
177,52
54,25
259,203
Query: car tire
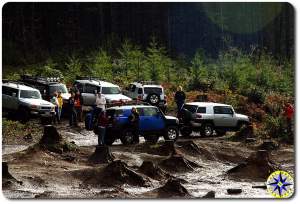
x,y
23,115
109,140
171,133
153,99
207,130
152,139
127,137
221,132
186,131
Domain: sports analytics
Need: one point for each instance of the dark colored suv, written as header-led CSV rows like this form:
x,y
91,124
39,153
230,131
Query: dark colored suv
x,y
47,86
153,124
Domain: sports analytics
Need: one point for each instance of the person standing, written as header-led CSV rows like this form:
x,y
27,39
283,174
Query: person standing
x,y
78,105
102,125
134,119
179,98
72,111
289,112
54,101
60,105
99,104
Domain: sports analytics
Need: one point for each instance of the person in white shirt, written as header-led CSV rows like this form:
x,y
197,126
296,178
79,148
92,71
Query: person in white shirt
x,y
99,104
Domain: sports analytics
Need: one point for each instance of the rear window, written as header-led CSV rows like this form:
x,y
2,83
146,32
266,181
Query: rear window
x,y
190,108
223,110
201,110
155,90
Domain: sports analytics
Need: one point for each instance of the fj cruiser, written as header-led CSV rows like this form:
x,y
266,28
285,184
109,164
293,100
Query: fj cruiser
x,y
207,117
24,101
147,91
47,86
89,86
153,124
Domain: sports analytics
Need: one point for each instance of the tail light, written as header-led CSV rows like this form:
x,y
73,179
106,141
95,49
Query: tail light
x,y
198,116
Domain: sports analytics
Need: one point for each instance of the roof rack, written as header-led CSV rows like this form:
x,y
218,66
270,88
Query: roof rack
x,y
88,78
14,82
126,103
148,82
40,79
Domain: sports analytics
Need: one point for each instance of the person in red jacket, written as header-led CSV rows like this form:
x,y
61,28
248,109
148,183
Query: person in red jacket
x,y
289,114
102,125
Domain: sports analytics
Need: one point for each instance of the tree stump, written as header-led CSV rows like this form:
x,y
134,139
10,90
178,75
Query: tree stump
x,y
153,171
256,166
101,155
173,188
50,136
177,163
5,172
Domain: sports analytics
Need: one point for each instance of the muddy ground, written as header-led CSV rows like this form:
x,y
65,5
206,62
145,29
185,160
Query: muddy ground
x,y
191,168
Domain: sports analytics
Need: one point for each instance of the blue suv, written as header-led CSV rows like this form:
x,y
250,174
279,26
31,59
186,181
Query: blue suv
x,y
153,124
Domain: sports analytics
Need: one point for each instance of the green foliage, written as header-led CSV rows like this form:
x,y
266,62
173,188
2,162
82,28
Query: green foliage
x,y
275,126
73,65
157,62
101,65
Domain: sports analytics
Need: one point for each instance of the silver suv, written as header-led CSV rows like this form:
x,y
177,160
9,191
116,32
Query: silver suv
x,y
24,101
88,88
147,91
207,117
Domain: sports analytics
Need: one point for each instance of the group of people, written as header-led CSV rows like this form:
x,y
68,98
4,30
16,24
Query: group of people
x,y
101,119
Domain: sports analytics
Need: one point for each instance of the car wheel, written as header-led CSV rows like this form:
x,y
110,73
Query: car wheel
x,y
127,137
171,133
109,140
23,115
153,99
221,132
151,138
207,130
186,131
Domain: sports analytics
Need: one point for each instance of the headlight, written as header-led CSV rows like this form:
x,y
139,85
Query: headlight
x,y
34,107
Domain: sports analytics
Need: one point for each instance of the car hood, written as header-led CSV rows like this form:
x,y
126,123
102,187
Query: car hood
x,y
37,102
65,96
170,117
116,97
242,117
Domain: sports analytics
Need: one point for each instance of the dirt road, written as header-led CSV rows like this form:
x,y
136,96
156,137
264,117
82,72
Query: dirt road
x,y
46,174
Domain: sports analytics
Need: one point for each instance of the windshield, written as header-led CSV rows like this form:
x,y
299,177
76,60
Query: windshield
x,y
30,94
190,108
149,90
111,90
58,87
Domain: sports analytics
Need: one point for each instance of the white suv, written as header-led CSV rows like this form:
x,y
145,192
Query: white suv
x,y
207,117
88,88
24,101
147,91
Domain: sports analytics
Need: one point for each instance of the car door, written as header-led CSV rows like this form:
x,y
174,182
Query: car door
x,y
151,120
88,94
224,116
